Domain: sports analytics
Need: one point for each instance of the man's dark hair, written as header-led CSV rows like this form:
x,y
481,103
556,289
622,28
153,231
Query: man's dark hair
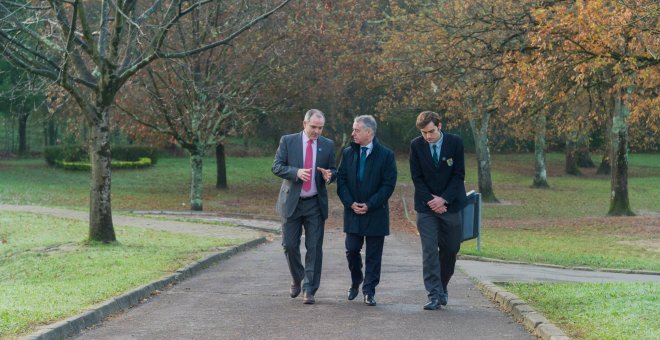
x,y
427,117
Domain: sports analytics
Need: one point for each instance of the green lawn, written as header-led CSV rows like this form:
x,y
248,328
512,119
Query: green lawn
x,y
589,246
597,311
49,272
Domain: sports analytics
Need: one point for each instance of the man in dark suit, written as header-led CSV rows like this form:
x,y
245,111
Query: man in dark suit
x,y
306,163
437,168
365,182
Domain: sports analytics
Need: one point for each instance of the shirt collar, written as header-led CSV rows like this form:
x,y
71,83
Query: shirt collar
x,y
439,141
368,146
305,139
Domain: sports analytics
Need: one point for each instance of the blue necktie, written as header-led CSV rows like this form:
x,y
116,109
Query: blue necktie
x,y
363,159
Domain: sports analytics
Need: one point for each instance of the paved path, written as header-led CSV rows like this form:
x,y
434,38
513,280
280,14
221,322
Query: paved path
x,y
246,297
510,272
197,229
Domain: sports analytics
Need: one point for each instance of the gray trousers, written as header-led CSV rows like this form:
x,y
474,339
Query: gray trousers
x,y
307,216
440,235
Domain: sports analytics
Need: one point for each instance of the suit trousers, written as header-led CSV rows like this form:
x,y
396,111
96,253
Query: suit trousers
x,y
373,259
307,216
440,235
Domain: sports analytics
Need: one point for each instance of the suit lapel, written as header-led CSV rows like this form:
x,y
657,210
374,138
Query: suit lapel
x,y
428,157
297,151
320,150
446,144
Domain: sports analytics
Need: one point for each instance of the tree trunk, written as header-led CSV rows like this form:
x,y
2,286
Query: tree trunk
x,y
22,134
605,165
583,154
52,133
100,210
540,172
483,158
221,167
196,183
571,167
619,202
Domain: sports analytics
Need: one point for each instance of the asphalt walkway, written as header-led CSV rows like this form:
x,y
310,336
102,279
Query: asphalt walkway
x,y
247,297
514,272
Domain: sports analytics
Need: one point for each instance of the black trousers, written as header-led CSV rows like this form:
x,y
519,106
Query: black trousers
x,y
441,240
373,259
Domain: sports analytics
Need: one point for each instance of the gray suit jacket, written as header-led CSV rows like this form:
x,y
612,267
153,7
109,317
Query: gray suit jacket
x,y
288,159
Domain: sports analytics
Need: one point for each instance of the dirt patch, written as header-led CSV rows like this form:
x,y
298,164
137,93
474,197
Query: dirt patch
x,y
7,155
643,226
60,248
652,245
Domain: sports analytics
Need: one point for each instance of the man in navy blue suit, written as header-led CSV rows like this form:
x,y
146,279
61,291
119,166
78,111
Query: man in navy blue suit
x,y
365,182
437,168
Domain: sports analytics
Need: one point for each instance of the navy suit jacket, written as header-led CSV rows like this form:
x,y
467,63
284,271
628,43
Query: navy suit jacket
x,y
446,180
288,159
375,189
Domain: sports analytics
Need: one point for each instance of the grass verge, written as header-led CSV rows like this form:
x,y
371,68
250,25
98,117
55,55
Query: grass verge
x,y
48,271
597,310
596,245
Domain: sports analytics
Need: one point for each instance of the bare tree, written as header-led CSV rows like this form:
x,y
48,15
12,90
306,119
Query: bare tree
x,y
92,48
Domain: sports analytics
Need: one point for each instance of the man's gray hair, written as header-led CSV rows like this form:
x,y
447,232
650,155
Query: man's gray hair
x,y
368,121
313,112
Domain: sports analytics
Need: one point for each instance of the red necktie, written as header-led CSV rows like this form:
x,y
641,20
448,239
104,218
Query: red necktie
x,y
309,159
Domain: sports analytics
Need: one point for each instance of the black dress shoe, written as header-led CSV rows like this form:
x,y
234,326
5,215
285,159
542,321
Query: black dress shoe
x,y
295,289
369,300
443,300
433,304
352,292
308,298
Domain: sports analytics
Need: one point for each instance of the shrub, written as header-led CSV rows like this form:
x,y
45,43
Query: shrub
x,y
75,157
140,163
133,153
68,153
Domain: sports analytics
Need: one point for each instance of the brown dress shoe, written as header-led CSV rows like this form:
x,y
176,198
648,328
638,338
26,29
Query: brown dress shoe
x,y
295,289
308,298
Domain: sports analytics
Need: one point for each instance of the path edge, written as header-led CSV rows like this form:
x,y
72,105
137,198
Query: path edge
x,y
97,313
521,312
538,264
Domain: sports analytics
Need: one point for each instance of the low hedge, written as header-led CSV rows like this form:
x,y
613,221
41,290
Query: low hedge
x,y
140,163
67,153
76,153
133,153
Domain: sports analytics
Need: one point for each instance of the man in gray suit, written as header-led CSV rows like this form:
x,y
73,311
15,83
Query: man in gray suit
x,y
306,163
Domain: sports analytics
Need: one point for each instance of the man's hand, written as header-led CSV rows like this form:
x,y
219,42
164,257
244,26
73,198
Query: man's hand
x,y
327,174
438,204
305,174
359,208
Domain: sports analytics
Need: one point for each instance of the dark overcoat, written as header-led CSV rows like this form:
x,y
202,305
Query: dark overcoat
x,y
375,189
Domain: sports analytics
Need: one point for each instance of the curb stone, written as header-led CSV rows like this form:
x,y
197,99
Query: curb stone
x,y
533,321
97,313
